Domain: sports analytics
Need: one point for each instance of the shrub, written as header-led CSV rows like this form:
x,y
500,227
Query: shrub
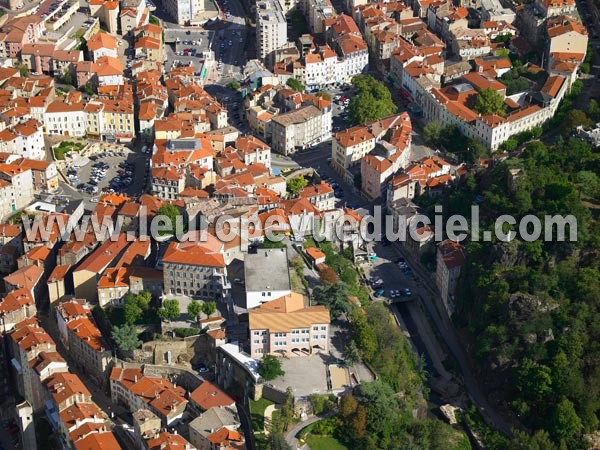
x,y
186,332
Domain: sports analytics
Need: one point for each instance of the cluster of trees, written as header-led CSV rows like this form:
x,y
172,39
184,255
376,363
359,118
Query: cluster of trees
x,y
451,139
515,141
194,308
280,421
169,310
520,78
269,367
138,309
372,102
171,212
489,101
532,309
341,263
565,107
295,185
295,84
374,417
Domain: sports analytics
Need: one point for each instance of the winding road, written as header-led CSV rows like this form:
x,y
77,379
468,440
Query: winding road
x,y
290,435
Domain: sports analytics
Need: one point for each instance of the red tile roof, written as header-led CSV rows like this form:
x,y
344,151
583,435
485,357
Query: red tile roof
x,y
207,396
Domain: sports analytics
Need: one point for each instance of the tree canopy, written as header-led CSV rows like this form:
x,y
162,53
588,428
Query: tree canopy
x,y
489,101
193,309
295,185
531,309
208,308
170,212
269,367
373,100
126,338
295,84
169,310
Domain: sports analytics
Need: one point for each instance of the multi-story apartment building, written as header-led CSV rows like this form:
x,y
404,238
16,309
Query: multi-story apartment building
x,y
301,128
450,259
167,182
24,139
102,44
66,118
196,269
376,171
252,151
267,276
350,146
83,339
215,429
11,245
321,195
21,179
185,11
271,29
45,174
316,13
27,340
285,327
133,389
344,36
15,307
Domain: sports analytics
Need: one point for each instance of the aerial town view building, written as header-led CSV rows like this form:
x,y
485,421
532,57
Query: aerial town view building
x,y
299,224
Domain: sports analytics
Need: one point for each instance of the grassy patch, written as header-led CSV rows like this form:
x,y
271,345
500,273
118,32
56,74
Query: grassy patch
x,y
324,443
78,34
257,413
66,147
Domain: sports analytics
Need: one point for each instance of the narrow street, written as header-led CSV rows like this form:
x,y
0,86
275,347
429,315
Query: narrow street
x,y
430,298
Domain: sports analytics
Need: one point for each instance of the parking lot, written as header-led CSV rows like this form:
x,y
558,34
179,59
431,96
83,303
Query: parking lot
x,y
108,171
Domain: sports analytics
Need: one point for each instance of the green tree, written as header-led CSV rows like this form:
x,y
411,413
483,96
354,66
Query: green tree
x,y
170,213
234,85
154,20
334,297
348,405
126,338
566,424
372,102
593,110
143,299
193,309
295,185
208,308
489,101
573,119
169,310
433,132
277,442
286,413
89,88
132,311
352,353
537,441
23,70
295,84
269,367
364,336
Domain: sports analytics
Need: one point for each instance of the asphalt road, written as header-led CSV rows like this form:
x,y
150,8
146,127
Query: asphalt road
x,y
428,294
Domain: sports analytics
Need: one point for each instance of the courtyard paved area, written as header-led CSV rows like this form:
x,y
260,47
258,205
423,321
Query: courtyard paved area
x,y
307,375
